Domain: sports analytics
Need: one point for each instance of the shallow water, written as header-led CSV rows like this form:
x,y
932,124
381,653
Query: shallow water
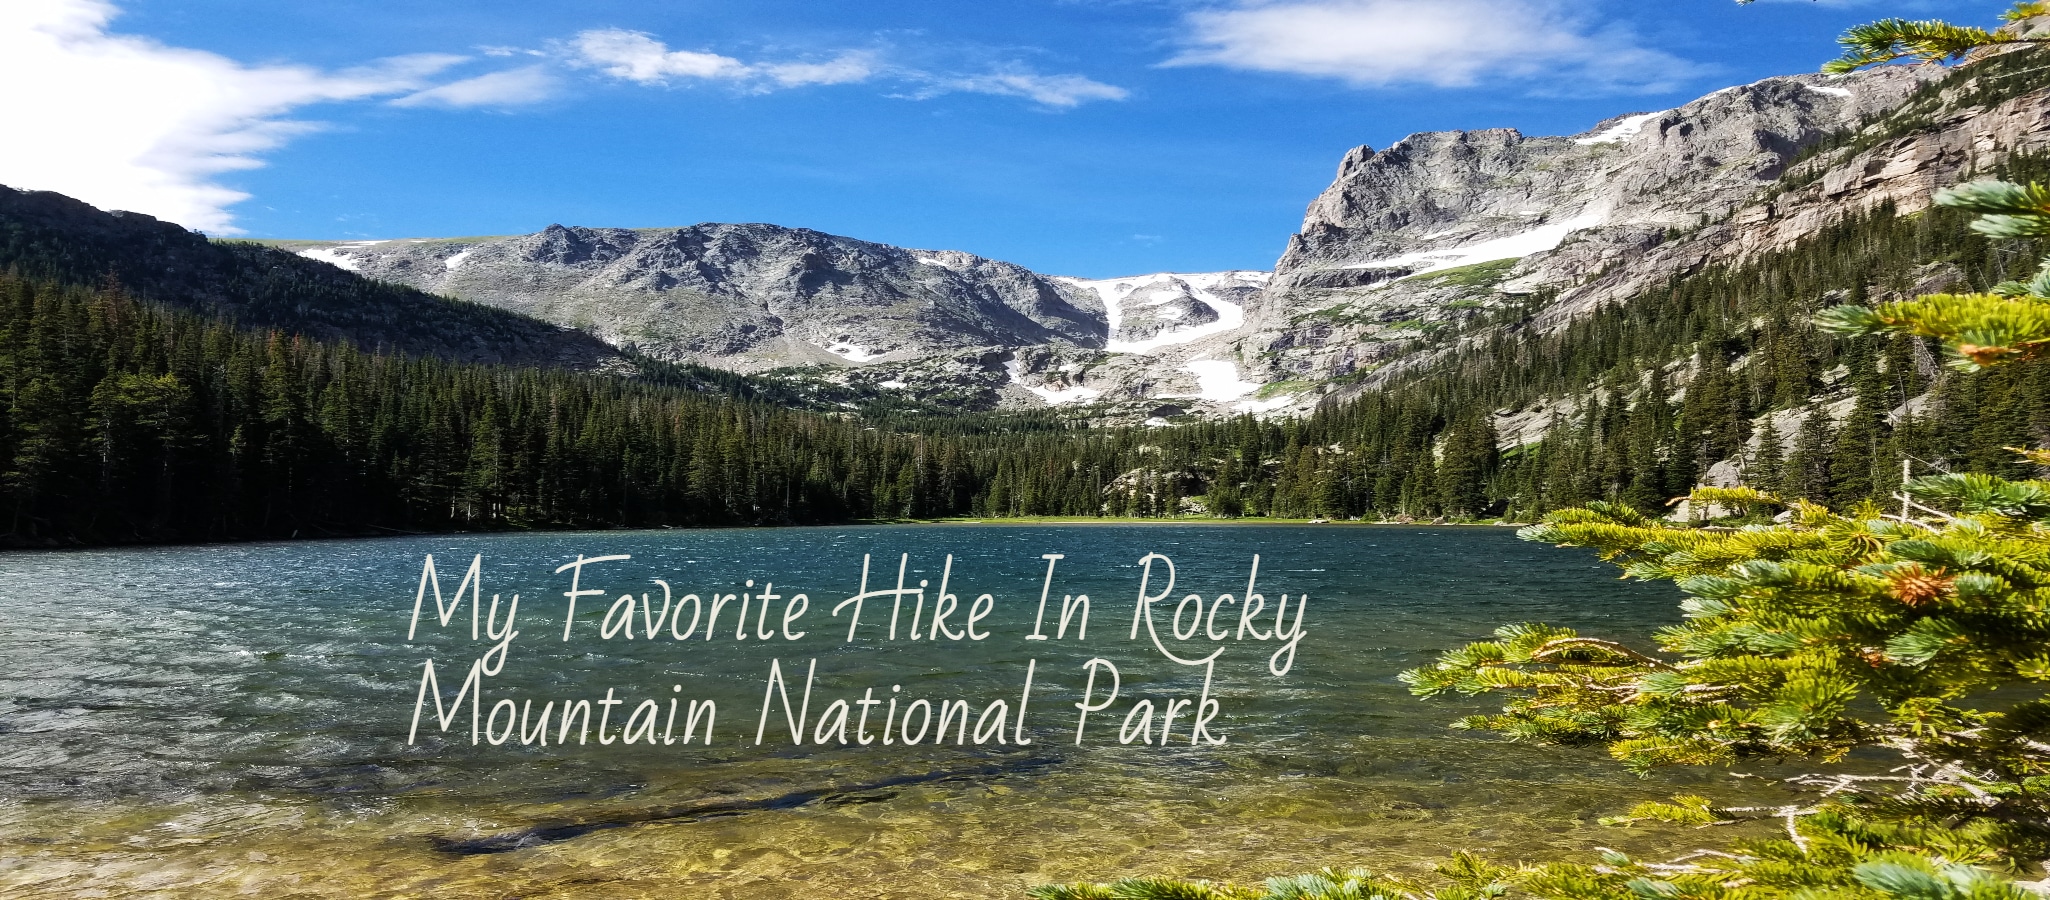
x,y
227,719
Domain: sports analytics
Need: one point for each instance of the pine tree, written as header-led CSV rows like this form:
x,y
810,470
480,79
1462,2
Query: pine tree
x,y
1856,453
1469,463
1806,472
1763,469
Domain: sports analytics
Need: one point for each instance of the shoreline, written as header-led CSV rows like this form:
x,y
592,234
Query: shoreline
x,y
1107,520
860,523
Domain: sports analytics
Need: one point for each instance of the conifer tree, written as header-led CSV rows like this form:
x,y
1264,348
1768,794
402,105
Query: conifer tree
x,y
1468,464
1806,471
1762,470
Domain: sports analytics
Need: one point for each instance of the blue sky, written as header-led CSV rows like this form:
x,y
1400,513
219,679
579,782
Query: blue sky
x,y
1084,137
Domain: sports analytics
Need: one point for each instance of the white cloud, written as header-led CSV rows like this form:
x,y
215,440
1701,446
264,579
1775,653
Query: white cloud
x,y
639,57
1058,91
636,56
127,123
1444,43
844,69
512,87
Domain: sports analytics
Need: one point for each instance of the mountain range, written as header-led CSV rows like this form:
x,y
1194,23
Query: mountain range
x,y
1409,244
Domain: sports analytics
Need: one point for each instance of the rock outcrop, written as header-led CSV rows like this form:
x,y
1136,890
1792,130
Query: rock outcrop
x,y
1904,172
1409,238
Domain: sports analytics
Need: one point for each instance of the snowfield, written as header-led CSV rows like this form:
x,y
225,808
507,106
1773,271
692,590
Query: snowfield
x,y
1621,131
852,352
1516,246
333,255
1052,397
1218,382
1121,294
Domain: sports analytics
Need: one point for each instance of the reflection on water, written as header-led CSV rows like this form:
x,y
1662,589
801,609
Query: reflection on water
x,y
214,720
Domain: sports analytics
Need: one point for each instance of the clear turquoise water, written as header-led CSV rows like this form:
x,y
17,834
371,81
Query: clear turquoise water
x,y
196,721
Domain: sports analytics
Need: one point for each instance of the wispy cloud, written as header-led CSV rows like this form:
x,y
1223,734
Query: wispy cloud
x,y
1046,91
847,68
643,59
125,122
512,87
1443,43
637,56
1057,91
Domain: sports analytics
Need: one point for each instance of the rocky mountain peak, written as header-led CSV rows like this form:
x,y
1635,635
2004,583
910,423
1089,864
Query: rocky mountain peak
x,y
1438,200
563,246
748,296
1409,243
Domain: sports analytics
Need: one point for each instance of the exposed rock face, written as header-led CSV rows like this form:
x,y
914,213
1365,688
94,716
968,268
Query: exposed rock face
x,y
1564,209
1164,355
1905,172
1446,196
745,297
1900,157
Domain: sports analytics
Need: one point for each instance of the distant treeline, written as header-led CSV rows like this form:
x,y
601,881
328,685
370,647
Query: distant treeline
x,y
129,422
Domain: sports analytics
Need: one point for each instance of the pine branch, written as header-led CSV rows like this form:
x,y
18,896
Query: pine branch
x,y
2025,11
1555,649
2006,210
1889,40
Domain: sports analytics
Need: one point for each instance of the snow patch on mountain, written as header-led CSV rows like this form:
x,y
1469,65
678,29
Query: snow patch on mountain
x,y
1621,131
456,262
1218,380
1125,295
852,352
1516,246
334,255
1052,396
